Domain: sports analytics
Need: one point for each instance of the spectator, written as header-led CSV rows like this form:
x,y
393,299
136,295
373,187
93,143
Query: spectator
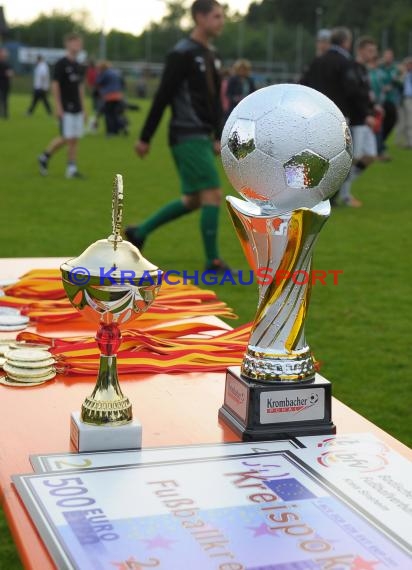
x,y
322,42
110,85
347,83
330,73
224,99
322,46
6,73
405,124
376,79
392,90
91,78
41,85
142,84
191,86
240,84
68,93
361,117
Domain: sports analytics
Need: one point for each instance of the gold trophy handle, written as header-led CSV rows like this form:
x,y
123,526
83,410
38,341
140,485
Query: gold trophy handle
x,y
117,210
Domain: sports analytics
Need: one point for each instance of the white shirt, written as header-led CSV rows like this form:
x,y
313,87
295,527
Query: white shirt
x,y
41,76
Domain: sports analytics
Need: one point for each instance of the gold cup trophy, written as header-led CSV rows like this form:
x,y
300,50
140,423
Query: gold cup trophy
x,y
286,149
111,284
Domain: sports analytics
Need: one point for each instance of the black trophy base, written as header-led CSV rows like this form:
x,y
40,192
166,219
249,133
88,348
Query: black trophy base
x,y
259,411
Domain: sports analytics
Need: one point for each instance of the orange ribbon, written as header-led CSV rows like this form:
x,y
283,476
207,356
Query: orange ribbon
x,y
168,348
150,344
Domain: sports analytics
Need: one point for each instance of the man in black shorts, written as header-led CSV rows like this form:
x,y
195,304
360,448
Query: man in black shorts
x,y
68,94
191,86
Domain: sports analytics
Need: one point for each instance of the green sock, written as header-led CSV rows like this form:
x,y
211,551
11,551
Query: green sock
x,y
166,214
208,226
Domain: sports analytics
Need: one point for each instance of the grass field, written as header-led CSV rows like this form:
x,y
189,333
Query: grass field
x,y
359,329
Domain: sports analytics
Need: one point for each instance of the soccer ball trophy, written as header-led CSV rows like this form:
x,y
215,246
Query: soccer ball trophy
x,y
111,284
285,149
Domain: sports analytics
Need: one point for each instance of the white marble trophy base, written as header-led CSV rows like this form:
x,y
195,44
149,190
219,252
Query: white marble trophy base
x,y
104,438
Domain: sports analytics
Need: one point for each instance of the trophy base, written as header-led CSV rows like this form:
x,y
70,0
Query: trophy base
x,y
258,412
102,413
85,437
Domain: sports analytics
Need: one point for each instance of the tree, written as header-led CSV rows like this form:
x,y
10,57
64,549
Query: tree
x,y
176,11
272,29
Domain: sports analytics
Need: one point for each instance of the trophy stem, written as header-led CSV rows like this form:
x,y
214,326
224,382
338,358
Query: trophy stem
x,y
107,405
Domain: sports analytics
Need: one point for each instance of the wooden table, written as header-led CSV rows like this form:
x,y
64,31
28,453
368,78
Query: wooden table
x,y
174,410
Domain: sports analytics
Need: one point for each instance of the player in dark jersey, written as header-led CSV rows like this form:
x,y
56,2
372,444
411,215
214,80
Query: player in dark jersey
x,y
68,93
191,86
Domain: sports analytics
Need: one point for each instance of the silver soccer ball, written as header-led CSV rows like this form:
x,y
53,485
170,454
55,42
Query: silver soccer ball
x,y
286,147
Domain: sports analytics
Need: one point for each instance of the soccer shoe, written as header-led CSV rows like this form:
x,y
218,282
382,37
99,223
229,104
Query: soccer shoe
x,y
130,233
75,174
72,172
43,164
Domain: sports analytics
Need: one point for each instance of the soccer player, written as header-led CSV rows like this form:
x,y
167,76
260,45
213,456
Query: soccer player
x,y
191,86
68,94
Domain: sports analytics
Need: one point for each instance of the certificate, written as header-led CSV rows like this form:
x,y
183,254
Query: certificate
x,y
95,460
288,509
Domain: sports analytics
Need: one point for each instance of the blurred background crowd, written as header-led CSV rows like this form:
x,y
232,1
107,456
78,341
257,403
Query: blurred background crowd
x,y
271,43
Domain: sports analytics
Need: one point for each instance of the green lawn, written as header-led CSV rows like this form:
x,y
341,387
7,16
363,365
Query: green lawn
x,y
359,329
